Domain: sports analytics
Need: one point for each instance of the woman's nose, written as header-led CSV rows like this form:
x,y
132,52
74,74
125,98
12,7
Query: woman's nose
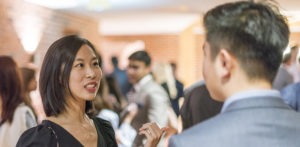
x,y
90,73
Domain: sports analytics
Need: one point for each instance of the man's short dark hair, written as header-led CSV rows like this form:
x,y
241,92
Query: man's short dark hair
x,y
114,61
55,73
255,33
173,65
142,56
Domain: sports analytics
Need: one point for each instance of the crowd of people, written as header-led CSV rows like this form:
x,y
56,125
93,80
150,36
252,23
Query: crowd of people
x,y
249,95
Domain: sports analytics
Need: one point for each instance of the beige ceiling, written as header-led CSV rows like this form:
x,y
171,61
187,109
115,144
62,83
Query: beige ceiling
x,y
152,16
103,7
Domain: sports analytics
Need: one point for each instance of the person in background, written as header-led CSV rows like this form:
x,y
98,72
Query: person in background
x,y
120,76
69,80
115,95
291,95
149,96
179,87
104,108
283,77
126,134
242,53
107,106
163,75
110,92
30,84
293,67
15,115
198,105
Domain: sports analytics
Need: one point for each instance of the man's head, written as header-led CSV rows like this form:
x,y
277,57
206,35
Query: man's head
x,y
114,61
138,66
246,36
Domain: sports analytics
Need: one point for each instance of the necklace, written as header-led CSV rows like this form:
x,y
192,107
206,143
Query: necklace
x,y
89,129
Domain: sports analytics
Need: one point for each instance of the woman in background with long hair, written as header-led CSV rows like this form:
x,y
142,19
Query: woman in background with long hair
x,y
15,116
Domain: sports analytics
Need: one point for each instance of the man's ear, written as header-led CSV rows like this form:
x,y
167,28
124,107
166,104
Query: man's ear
x,y
226,64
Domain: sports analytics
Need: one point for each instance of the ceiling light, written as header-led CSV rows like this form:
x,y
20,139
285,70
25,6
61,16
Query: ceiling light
x,y
58,4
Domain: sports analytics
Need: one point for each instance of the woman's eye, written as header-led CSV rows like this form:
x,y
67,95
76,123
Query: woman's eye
x,y
96,64
79,65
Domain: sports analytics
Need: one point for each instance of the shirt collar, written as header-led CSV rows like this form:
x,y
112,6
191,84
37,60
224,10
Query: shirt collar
x,y
142,82
249,94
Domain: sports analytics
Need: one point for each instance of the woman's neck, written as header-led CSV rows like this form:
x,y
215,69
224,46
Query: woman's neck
x,y
74,113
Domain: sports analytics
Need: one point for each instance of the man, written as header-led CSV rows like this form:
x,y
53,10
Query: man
x,y
179,88
283,77
293,68
152,100
120,76
198,105
291,95
242,53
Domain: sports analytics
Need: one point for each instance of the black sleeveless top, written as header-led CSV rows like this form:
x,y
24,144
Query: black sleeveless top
x,y
50,134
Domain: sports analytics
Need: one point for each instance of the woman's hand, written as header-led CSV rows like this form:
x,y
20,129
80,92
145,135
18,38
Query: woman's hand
x,y
152,132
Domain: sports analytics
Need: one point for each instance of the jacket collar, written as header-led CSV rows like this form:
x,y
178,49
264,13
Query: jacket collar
x,y
257,102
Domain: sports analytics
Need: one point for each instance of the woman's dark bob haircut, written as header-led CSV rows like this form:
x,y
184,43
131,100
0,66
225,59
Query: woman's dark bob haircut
x,y
55,73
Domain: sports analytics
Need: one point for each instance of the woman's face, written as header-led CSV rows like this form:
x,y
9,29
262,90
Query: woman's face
x,y
85,74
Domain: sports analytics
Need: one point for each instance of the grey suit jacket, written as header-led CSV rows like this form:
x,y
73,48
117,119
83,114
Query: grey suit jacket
x,y
291,95
153,104
253,122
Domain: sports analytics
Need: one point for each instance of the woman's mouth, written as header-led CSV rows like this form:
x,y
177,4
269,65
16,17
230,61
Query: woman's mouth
x,y
91,87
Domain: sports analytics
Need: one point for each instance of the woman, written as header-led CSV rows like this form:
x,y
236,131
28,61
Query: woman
x,y
29,83
15,116
69,80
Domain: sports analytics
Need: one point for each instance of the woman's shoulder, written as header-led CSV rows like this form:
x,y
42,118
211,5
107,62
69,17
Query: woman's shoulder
x,y
22,108
101,123
105,128
41,135
24,117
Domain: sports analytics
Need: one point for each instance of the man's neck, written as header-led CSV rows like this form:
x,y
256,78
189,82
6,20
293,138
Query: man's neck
x,y
247,86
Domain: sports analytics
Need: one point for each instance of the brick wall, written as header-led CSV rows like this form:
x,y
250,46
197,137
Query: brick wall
x,y
10,44
40,25
162,48
295,38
